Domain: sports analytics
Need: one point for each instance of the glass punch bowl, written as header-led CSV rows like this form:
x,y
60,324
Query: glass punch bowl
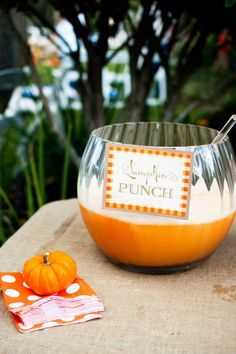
x,y
152,243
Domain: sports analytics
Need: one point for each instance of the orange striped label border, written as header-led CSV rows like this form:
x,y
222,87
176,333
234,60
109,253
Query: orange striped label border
x,y
181,212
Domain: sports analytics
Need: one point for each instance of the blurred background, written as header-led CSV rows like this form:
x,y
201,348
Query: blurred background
x,y
67,67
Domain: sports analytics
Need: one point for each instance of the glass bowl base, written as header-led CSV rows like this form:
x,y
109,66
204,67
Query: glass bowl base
x,y
157,270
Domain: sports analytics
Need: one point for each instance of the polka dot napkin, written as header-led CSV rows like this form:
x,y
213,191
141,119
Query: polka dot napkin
x,y
78,303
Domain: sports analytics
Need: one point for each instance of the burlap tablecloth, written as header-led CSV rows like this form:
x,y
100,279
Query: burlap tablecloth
x,y
191,312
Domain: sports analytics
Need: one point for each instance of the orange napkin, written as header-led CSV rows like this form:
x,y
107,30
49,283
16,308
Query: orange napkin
x,y
78,303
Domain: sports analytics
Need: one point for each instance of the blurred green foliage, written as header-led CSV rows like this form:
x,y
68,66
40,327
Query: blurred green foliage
x,y
29,179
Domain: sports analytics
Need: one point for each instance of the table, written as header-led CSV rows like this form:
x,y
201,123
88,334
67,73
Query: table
x,y
191,312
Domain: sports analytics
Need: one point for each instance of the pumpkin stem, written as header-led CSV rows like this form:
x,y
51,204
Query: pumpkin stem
x,y
46,261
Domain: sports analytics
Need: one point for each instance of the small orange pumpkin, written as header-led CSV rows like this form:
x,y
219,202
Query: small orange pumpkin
x,y
50,272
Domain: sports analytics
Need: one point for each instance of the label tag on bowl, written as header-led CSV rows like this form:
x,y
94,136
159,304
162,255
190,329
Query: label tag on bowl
x,y
148,180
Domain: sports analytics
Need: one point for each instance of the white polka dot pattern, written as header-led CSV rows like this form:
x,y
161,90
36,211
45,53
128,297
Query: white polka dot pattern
x,y
8,279
21,300
15,305
22,326
90,316
68,319
33,297
12,293
49,324
72,289
26,285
